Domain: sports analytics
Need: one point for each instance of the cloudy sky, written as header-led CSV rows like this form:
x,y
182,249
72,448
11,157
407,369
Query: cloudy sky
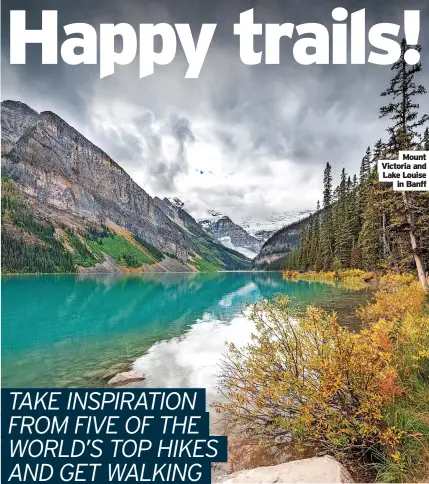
x,y
249,141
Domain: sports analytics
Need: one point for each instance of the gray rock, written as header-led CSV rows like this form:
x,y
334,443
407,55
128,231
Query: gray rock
x,y
126,377
316,470
16,118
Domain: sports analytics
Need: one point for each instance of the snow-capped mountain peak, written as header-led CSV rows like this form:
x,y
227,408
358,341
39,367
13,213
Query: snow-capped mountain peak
x,y
229,234
176,202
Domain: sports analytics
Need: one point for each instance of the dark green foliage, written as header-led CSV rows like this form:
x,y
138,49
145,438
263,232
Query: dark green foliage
x,y
81,255
326,228
215,257
31,245
365,166
292,260
405,229
130,260
425,140
370,234
97,235
20,257
153,251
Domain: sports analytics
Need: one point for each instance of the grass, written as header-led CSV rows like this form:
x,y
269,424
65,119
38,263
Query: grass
x,y
408,463
121,250
343,275
86,247
215,257
353,279
204,265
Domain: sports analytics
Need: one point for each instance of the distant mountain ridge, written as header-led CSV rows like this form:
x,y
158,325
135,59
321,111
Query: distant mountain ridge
x,y
230,234
73,189
278,246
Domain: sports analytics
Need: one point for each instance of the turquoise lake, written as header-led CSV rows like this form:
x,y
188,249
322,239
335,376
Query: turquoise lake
x,y
67,330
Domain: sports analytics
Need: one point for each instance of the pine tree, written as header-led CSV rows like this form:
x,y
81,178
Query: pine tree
x,y
365,166
377,154
365,170
326,224
425,140
341,224
383,190
305,247
369,237
355,252
315,244
403,112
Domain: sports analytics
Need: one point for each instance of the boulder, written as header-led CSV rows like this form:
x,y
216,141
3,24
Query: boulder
x,y
126,377
316,470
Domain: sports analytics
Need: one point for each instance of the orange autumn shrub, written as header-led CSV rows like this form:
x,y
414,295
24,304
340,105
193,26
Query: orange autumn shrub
x,y
309,378
288,274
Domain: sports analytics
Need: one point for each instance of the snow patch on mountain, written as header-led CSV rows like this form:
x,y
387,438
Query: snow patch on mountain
x,y
226,241
230,234
263,229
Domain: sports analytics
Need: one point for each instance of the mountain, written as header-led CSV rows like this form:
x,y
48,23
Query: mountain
x,y
263,235
263,228
68,206
278,246
231,235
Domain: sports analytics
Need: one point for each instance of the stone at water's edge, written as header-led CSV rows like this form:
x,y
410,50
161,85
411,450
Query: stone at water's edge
x,y
125,377
316,470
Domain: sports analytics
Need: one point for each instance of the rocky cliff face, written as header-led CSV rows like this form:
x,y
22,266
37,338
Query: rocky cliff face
x,y
278,246
16,118
64,175
231,235
263,235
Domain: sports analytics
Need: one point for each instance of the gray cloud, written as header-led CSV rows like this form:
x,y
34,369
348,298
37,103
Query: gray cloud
x,y
238,139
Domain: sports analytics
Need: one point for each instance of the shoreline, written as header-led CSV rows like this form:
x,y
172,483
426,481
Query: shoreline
x,y
129,273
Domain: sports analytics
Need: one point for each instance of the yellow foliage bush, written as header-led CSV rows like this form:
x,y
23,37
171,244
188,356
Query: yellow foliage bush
x,y
398,295
414,335
319,276
287,274
347,275
353,274
310,378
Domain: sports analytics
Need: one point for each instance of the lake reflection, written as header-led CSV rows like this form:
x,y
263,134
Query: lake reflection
x,y
66,330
